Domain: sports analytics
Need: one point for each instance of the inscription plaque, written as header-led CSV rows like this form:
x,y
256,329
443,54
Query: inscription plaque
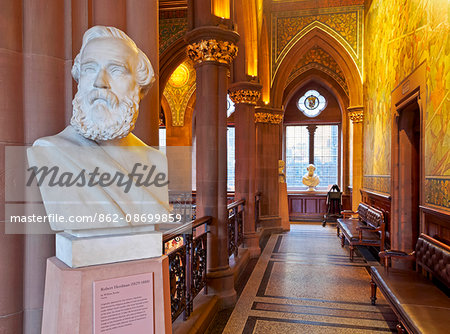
x,y
124,305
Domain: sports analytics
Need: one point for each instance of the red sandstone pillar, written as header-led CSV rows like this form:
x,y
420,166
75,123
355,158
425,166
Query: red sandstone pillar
x,y
46,64
212,49
143,28
11,133
139,20
268,133
245,96
356,115
106,13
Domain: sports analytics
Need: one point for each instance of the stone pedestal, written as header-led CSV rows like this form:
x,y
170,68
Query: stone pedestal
x,y
93,250
69,298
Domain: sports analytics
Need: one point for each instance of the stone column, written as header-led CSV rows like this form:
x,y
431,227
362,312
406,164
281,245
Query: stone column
x,y
311,129
356,116
213,49
268,133
140,20
143,27
47,60
245,96
11,133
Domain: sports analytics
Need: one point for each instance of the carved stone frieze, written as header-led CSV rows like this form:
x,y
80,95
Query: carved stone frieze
x,y
212,50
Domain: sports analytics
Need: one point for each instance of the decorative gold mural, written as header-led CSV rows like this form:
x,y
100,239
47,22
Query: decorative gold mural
x,y
178,91
172,26
380,183
412,32
437,191
345,24
318,58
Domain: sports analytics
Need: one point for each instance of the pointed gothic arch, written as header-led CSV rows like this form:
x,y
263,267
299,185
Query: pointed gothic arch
x,y
174,55
318,36
320,76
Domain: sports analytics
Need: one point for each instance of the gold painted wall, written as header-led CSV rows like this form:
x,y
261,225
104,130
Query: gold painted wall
x,y
178,91
172,26
399,36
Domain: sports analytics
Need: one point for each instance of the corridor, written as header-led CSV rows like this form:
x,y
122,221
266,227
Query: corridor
x,y
304,282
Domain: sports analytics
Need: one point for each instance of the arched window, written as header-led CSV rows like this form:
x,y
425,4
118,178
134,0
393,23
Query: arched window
x,y
312,136
230,158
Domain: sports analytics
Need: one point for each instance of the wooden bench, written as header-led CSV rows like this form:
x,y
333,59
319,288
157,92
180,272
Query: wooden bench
x,y
366,230
421,307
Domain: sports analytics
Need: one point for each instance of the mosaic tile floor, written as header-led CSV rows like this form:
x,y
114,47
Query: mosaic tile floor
x,y
304,282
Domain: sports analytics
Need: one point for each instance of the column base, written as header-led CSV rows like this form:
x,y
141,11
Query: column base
x,y
251,242
270,221
221,284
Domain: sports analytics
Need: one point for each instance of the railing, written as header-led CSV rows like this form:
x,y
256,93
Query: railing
x,y
183,204
186,247
230,198
235,226
257,208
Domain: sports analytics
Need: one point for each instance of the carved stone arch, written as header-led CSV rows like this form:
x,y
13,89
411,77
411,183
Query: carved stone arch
x,y
332,46
326,29
169,61
167,111
189,113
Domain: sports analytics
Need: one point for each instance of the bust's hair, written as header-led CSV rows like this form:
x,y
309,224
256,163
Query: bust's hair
x,y
144,70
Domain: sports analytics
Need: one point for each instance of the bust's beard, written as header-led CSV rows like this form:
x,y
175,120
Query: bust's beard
x,y
99,115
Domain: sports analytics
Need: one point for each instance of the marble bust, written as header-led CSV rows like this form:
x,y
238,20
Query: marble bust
x,y
310,179
110,165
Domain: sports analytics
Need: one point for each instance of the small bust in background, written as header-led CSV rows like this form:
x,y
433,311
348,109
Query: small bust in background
x,y
310,179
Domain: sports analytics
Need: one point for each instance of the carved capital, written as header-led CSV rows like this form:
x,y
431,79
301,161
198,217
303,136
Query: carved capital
x,y
212,50
265,117
356,114
245,96
268,115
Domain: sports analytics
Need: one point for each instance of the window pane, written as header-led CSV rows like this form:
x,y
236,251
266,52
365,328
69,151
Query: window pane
x,y
326,154
162,136
230,159
297,155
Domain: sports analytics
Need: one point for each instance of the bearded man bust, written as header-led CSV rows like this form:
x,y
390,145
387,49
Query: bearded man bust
x,y
96,156
310,179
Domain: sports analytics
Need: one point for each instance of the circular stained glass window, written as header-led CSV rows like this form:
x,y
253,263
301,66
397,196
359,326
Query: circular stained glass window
x,y
312,103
